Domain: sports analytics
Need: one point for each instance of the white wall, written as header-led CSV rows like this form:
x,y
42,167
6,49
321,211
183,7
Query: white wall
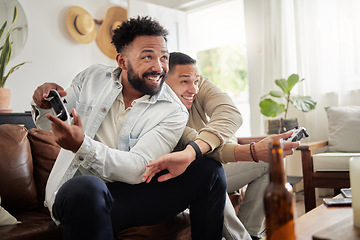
x,y
54,55
173,20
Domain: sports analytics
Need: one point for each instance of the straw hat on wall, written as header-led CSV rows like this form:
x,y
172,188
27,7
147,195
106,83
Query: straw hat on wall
x,y
80,25
113,18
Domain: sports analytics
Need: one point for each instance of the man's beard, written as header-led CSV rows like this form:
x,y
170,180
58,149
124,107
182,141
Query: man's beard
x,y
141,85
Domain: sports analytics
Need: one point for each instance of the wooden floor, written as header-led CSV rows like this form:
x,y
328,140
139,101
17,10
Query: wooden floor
x,y
299,207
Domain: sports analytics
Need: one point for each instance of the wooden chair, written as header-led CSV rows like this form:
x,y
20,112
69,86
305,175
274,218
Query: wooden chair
x,y
319,179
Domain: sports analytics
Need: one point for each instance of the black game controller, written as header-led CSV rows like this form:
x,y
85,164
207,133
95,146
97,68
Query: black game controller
x,y
58,105
298,133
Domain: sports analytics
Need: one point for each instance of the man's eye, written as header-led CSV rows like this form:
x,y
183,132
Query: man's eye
x,y
147,57
165,57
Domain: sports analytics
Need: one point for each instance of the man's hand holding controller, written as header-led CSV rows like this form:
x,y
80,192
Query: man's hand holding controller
x,y
43,91
297,134
58,105
68,136
262,147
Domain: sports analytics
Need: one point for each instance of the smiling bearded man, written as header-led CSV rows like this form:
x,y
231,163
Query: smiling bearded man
x,y
156,81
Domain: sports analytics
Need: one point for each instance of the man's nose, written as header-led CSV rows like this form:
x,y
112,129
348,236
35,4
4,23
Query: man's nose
x,y
157,66
193,89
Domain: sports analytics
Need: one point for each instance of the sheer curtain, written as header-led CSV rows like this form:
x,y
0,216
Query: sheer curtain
x,y
269,44
328,53
319,40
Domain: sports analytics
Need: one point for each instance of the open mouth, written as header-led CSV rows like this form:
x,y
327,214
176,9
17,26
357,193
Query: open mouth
x,y
154,78
189,99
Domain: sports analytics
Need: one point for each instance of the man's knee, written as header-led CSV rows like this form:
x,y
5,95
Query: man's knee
x,y
82,193
83,187
220,176
210,171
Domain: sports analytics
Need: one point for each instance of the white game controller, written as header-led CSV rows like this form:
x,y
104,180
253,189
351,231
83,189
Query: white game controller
x,y
58,105
298,133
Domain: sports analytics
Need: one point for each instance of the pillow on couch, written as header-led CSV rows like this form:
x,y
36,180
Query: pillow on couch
x,y
344,128
6,218
44,151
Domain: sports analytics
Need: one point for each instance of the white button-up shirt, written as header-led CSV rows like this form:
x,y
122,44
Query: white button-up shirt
x,y
151,129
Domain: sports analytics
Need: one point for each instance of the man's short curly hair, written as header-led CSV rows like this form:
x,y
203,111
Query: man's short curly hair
x,y
178,58
134,27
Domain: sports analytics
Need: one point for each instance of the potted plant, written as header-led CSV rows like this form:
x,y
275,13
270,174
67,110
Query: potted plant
x,y
5,57
271,108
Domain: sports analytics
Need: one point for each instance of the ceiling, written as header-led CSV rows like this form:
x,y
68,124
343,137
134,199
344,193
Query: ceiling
x,y
184,5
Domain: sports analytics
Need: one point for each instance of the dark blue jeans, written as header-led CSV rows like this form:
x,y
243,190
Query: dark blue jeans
x,y
90,209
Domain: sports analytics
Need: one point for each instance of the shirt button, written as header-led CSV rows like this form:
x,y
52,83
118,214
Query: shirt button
x,y
81,159
103,109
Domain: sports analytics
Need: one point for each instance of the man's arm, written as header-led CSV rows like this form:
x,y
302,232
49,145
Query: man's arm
x,y
224,121
113,164
129,166
176,162
213,115
145,140
233,152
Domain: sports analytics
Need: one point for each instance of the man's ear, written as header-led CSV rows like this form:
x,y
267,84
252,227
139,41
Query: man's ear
x,y
121,60
167,76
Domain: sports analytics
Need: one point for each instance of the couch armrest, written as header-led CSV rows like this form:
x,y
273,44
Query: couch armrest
x,y
306,155
308,171
312,146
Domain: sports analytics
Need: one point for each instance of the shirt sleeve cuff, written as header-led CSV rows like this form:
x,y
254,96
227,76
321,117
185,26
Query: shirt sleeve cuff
x,y
84,153
228,152
210,139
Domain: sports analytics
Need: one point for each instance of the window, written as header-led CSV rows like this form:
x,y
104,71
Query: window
x,y
217,41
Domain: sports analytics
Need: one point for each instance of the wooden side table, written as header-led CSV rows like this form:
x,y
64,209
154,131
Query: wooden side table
x,y
327,223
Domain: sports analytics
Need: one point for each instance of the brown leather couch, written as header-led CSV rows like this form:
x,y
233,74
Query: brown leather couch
x,y
26,158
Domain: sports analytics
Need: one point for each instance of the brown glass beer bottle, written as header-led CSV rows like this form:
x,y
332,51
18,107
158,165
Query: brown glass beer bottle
x,y
279,209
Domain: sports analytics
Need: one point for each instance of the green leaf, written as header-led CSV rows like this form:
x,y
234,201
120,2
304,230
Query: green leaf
x,y
2,29
6,51
282,83
4,58
277,94
15,15
303,103
13,69
270,108
292,80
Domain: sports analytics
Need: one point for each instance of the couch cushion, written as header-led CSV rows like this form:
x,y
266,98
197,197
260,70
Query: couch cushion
x,y
332,161
44,152
344,128
177,228
34,225
6,218
17,185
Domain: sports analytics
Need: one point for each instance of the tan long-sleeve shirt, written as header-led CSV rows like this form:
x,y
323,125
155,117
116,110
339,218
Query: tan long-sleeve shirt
x,y
213,118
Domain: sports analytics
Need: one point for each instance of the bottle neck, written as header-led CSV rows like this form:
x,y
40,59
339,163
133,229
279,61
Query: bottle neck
x,y
277,172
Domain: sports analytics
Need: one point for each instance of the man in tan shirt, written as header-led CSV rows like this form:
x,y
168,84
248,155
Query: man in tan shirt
x,y
213,121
